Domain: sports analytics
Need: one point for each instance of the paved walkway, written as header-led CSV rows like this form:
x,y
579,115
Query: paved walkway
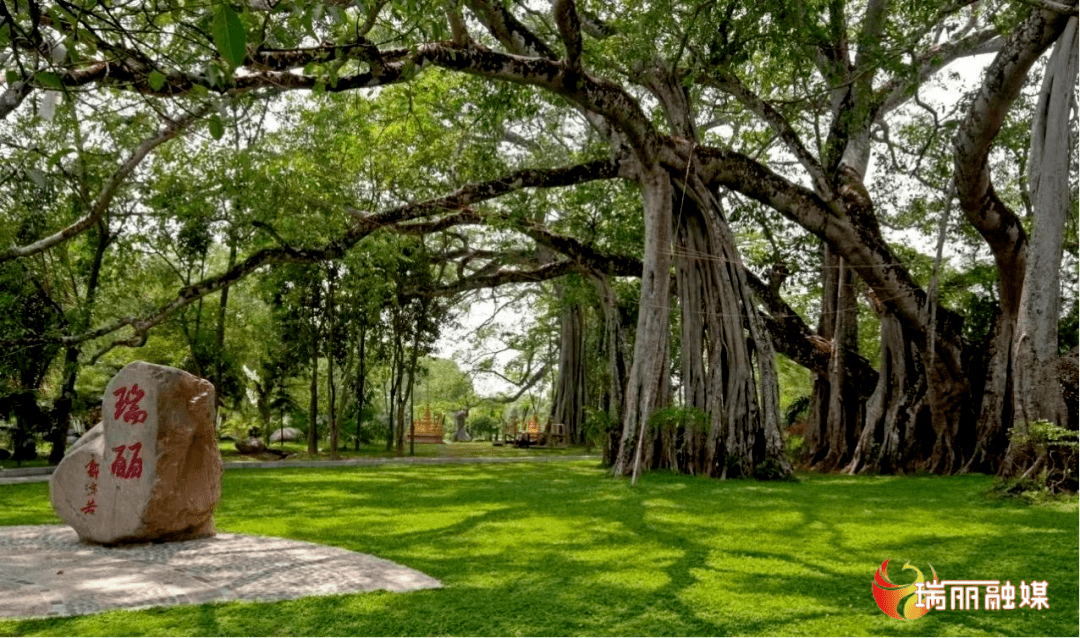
x,y
41,474
46,571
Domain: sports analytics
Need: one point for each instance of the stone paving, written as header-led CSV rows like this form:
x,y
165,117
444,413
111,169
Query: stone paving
x,y
46,571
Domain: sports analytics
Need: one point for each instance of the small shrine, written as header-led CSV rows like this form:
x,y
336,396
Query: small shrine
x,y
427,429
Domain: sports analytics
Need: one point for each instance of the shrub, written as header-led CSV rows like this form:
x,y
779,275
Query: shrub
x,y
692,418
798,409
484,425
794,447
598,427
1044,461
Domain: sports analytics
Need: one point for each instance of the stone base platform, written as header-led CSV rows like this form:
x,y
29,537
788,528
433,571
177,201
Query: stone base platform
x,y
46,571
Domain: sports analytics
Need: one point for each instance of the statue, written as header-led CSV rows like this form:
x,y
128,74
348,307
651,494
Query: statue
x,y
459,420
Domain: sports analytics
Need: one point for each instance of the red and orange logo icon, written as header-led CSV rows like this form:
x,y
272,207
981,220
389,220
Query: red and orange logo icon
x,y
898,601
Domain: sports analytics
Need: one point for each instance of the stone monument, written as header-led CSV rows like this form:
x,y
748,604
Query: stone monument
x,y
459,420
151,470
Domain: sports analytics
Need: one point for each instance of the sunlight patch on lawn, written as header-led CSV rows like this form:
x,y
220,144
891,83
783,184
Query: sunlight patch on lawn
x,y
641,579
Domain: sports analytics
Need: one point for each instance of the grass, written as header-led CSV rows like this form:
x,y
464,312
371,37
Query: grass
x,y
40,461
562,549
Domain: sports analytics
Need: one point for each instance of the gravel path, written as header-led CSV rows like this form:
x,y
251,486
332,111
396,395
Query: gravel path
x,y
46,571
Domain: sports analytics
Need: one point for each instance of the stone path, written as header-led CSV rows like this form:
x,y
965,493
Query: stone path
x,y
46,571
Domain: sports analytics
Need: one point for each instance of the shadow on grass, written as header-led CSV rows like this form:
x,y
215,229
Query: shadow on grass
x,y
565,550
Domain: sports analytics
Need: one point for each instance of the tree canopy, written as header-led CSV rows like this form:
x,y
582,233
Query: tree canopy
x,y
695,187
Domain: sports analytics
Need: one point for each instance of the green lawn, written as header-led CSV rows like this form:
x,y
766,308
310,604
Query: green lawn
x,y
561,549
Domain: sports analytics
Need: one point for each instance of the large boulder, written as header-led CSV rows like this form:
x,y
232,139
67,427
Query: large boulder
x,y
285,434
250,446
151,470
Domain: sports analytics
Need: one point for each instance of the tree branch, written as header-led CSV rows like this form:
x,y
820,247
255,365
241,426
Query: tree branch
x,y
363,225
13,96
1001,85
502,277
108,192
802,345
899,89
510,32
731,84
1056,7
569,24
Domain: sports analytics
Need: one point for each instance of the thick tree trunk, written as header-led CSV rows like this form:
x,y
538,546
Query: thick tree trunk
x,y
744,400
843,424
949,399
837,406
615,355
898,432
651,338
1037,386
726,356
992,402
568,407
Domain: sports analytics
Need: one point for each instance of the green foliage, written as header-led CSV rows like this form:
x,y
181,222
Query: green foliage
x,y
797,409
795,382
1033,490
793,446
1043,461
441,384
679,418
483,426
772,470
49,79
229,34
1046,434
156,80
598,423
369,430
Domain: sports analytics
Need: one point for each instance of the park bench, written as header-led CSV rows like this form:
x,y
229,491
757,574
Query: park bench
x,y
558,437
427,429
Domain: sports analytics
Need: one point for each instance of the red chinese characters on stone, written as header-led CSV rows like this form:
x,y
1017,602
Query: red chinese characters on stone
x,y
127,469
91,471
127,404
